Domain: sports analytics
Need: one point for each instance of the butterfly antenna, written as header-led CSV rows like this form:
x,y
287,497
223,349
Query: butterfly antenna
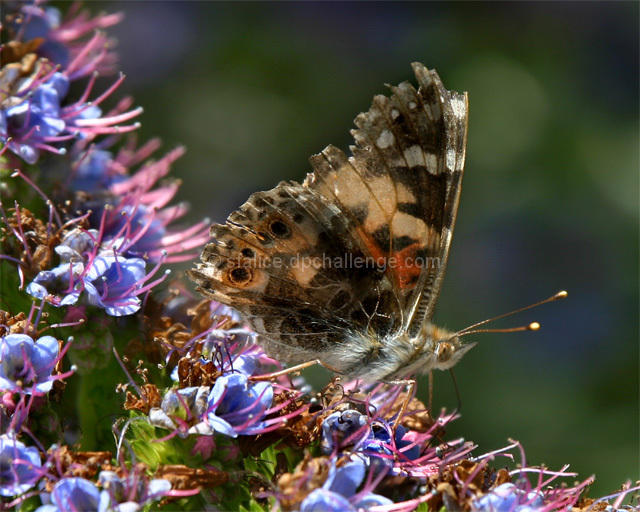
x,y
534,326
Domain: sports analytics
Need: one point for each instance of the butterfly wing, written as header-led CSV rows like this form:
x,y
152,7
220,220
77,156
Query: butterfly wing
x,y
288,261
402,185
353,248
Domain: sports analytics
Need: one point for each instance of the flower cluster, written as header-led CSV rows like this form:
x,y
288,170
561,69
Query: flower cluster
x,y
236,403
115,493
27,365
20,466
92,348
121,218
39,64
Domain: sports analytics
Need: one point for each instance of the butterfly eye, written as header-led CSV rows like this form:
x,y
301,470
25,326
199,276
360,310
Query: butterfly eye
x,y
444,351
247,252
240,275
279,229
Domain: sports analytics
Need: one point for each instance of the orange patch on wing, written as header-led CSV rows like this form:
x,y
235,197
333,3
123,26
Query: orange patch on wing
x,y
408,268
404,265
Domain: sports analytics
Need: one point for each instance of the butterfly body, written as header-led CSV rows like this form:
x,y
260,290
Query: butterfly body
x,y
347,266
397,356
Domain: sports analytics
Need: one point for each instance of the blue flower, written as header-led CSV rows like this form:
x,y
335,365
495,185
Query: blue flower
x,y
236,405
37,118
339,426
380,444
145,230
338,492
113,283
57,281
320,500
64,284
65,39
22,359
182,404
508,498
19,467
39,23
132,491
93,171
372,439
75,494
121,494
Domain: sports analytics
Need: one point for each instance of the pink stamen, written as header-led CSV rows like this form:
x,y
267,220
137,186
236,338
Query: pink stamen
x,y
18,172
20,235
77,68
102,121
153,284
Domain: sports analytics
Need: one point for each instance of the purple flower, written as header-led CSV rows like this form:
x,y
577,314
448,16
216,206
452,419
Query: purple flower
x,y
34,118
136,217
338,493
64,40
369,439
179,406
143,228
133,215
380,446
93,171
75,495
26,361
508,498
113,283
41,23
132,491
237,406
61,284
343,425
219,344
321,500
19,467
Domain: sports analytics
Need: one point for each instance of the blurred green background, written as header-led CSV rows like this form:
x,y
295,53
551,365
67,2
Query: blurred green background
x,y
550,197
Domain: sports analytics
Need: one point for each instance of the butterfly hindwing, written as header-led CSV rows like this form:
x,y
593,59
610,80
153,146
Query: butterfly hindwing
x,y
280,260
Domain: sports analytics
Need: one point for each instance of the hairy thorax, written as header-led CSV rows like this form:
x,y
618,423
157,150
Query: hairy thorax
x,y
398,356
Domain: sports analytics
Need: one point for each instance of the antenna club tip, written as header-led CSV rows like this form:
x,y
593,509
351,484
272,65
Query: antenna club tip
x,y
561,295
534,326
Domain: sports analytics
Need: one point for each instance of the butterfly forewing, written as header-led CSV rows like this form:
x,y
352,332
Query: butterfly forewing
x,y
401,186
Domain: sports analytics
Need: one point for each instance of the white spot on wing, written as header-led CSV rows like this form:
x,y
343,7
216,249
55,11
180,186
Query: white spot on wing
x,y
412,105
432,162
404,224
385,139
394,113
303,272
414,156
451,159
459,107
257,324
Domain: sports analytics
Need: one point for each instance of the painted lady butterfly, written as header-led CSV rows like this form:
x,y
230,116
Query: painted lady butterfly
x,y
347,267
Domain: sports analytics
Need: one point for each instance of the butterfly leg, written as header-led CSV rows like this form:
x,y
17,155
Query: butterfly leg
x,y
293,369
411,386
430,395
